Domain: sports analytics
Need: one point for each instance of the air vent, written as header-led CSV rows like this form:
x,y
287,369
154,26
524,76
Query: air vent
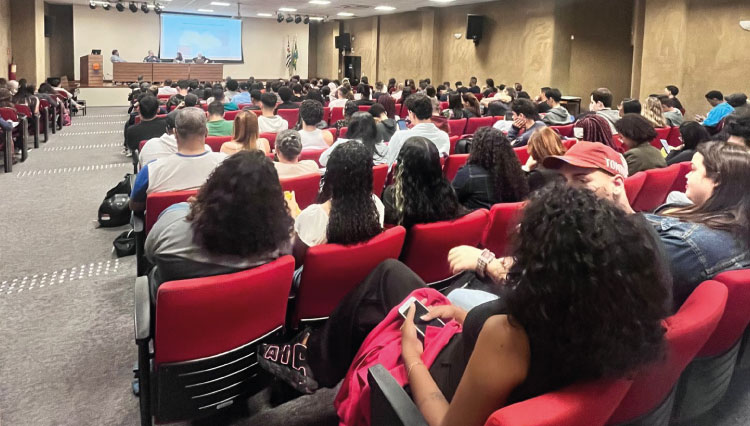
x,y
355,6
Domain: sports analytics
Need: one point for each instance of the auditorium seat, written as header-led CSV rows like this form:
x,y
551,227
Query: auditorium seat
x,y
565,131
44,117
568,143
656,188
163,97
522,152
427,245
331,271
398,111
243,106
674,138
705,381
312,154
20,132
379,175
651,397
52,114
475,123
327,114
33,122
634,185
457,126
680,182
205,107
230,115
215,142
443,105
290,115
342,133
452,164
337,114
157,202
364,108
205,333
453,140
305,188
661,133
502,226
271,138
6,144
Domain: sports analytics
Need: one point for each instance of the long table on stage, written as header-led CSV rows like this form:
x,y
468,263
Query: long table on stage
x,y
130,71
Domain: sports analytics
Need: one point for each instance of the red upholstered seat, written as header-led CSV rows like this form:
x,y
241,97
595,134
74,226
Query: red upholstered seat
x,y
674,138
364,108
141,144
453,140
337,114
522,153
205,107
565,131
290,115
687,332
452,164
33,122
312,154
581,404
342,132
736,314
326,114
661,133
427,245
680,182
243,106
457,126
163,97
270,137
215,142
504,218
379,175
656,188
305,188
331,271
568,143
157,202
230,115
443,105
634,185
475,123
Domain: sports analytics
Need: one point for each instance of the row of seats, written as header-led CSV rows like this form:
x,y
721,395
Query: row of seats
x,y
49,119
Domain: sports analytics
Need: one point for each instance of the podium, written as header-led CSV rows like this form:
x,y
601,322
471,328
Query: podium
x,y
92,71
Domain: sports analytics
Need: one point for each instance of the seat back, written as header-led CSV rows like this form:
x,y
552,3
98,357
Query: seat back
x,y
207,332
379,175
230,115
453,163
337,113
163,97
475,123
443,105
687,332
522,153
305,188
270,137
565,131
590,403
23,109
656,188
503,221
327,114
342,132
457,126
331,271
568,143
680,182
157,202
364,108
736,314
215,142
427,245
661,133
8,114
312,154
633,186
674,138
290,115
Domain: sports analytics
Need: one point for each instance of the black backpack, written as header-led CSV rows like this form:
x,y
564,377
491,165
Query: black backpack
x,y
115,209
463,145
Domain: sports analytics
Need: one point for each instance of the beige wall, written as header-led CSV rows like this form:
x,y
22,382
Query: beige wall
x,y
133,34
5,52
59,47
324,54
27,39
364,42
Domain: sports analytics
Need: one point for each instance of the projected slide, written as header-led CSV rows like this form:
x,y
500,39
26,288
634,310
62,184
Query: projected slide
x,y
218,39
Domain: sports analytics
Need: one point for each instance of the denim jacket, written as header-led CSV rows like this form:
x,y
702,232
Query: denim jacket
x,y
696,253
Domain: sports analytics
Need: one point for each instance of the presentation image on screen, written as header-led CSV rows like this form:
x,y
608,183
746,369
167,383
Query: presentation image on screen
x,y
218,39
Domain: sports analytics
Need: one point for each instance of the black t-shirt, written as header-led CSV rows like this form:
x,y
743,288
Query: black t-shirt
x,y
474,89
145,130
542,107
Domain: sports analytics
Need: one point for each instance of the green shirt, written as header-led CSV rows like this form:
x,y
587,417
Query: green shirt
x,y
220,128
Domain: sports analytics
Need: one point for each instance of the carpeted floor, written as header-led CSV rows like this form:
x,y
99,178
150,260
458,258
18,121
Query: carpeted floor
x,y
66,330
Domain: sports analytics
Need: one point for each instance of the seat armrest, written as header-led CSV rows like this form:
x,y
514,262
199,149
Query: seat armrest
x,y
139,222
389,403
142,309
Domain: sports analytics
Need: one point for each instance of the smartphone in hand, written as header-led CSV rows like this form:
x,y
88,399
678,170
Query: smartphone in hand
x,y
420,310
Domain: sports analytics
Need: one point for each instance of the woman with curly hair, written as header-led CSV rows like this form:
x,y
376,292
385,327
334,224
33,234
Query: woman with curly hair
x,y
492,173
346,212
653,112
583,300
420,194
238,220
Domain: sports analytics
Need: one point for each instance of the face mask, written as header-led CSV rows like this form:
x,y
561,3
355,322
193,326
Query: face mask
x,y
578,132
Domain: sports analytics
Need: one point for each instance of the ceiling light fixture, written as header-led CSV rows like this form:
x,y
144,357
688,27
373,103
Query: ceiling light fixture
x,y
119,6
289,19
306,20
345,14
144,7
133,8
158,8
287,9
220,3
206,10
316,18
385,8
92,4
442,1
320,2
106,5
297,19
280,18
265,15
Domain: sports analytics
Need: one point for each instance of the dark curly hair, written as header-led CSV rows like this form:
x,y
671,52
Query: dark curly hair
x,y
348,184
587,286
421,193
240,210
491,150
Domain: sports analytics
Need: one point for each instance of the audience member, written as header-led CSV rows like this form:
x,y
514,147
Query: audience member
x,y
556,115
25,96
150,126
179,97
217,94
526,119
269,122
637,134
629,106
297,93
671,92
471,105
286,95
311,114
691,134
672,115
238,220
473,88
492,173
244,96
542,144
420,113
288,150
738,101
343,95
737,130
164,145
653,112
350,109
719,110
594,128
379,90
364,91
245,135
168,88
384,122
216,124
188,168
456,109
361,129
420,194
601,104
232,89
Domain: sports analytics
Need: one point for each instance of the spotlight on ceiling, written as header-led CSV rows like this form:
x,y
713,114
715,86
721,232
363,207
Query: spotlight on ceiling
x,y
144,7
289,19
297,19
92,4
157,8
107,5
119,6
280,18
306,20
133,8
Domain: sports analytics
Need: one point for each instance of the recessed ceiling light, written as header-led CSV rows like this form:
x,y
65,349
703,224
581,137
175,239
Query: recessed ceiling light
x,y
320,2
345,14
205,10
287,9
385,8
442,1
265,14
219,3
316,18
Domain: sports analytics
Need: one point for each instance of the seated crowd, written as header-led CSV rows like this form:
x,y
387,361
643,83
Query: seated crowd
x,y
581,255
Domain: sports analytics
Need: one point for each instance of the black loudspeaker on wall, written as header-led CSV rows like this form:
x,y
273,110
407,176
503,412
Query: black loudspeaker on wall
x,y
474,24
352,67
343,41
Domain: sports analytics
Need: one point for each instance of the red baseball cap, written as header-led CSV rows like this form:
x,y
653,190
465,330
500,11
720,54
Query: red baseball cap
x,y
590,155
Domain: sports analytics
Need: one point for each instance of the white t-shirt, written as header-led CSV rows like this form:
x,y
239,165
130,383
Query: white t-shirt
x,y
312,223
179,172
273,124
312,139
428,130
160,147
337,103
379,157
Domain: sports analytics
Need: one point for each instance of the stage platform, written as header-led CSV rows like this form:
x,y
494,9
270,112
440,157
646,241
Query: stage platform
x,y
105,96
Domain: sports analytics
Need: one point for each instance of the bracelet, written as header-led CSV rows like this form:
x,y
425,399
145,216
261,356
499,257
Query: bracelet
x,y
483,260
408,369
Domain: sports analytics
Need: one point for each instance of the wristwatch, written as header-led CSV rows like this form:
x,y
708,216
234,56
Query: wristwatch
x,y
483,260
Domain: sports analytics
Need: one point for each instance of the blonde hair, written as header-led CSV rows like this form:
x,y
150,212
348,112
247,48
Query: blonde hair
x,y
543,143
246,130
653,113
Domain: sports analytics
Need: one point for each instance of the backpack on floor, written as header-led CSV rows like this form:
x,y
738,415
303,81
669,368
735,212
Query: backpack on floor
x,y
115,209
125,244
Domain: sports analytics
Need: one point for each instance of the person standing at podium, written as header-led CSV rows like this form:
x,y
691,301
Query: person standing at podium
x,y
151,57
116,57
179,59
